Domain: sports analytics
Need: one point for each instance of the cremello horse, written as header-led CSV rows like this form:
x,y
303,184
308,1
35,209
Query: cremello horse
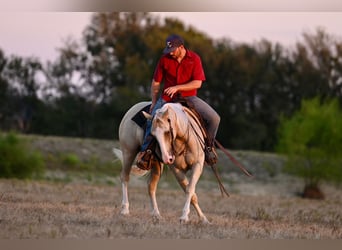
x,y
181,143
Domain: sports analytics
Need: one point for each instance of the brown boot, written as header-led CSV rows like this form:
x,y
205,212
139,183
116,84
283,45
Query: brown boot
x,y
210,156
144,160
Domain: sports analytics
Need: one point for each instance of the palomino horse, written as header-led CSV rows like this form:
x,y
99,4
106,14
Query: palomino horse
x,y
181,142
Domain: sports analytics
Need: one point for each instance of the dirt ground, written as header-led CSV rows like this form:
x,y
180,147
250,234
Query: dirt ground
x,y
45,210
65,206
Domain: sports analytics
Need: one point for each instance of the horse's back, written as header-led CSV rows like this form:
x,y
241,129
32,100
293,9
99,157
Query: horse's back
x,y
130,134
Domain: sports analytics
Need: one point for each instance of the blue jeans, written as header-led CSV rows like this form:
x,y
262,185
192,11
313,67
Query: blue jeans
x,y
148,137
209,115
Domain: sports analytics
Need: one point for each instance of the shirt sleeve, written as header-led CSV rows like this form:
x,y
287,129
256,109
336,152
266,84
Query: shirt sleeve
x,y
198,73
159,72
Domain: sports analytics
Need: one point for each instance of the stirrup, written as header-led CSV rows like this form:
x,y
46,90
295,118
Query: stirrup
x,y
144,160
210,155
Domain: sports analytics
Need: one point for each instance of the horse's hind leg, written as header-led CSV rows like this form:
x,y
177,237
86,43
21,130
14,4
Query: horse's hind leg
x,y
156,172
184,183
128,158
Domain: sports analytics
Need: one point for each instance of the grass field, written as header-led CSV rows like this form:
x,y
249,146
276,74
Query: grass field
x,y
44,210
84,204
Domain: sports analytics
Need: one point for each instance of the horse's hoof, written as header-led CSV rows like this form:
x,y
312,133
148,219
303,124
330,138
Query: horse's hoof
x,y
156,219
205,222
124,212
183,220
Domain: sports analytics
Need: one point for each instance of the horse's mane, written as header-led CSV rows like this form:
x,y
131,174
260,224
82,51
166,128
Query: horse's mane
x,y
179,113
183,117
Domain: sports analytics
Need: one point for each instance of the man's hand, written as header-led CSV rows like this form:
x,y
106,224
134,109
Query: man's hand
x,y
171,91
194,84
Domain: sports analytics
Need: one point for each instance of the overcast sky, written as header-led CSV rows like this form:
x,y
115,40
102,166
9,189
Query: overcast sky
x,y
40,33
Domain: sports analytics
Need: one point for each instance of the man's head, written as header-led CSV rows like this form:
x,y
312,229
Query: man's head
x,y
172,43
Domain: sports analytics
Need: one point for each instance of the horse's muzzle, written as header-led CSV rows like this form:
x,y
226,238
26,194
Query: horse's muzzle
x,y
169,159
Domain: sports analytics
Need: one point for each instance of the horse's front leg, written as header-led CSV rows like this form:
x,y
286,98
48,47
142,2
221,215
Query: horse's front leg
x,y
191,196
156,172
184,183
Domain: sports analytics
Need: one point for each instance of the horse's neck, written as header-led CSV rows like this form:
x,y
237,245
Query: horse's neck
x,y
182,120
187,122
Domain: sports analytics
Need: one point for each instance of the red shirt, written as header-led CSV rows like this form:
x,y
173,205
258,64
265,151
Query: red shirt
x,y
173,72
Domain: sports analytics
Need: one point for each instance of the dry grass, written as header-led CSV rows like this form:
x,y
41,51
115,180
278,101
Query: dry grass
x,y
43,210
84,205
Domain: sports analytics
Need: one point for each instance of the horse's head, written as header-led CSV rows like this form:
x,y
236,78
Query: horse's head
x,y
165,128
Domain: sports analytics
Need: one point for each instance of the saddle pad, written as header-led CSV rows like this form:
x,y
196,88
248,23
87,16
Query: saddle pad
x,y
139,117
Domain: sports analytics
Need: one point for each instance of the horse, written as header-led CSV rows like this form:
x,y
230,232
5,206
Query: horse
x,y
181,142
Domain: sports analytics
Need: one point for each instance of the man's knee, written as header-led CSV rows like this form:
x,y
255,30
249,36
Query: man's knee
x,y
214,119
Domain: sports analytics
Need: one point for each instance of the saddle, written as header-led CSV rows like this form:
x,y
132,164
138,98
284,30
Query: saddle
x,y
139,118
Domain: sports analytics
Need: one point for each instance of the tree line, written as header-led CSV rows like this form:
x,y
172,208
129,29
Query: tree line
x,y
87,89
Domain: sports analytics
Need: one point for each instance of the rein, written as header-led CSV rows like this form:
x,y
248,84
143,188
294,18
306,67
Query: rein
x,y
236,162
192,115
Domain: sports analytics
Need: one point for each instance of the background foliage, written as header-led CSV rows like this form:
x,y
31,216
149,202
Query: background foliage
x,y
92,83
17,160
312,138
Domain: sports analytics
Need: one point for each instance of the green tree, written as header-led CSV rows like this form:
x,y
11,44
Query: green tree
x,y
312,140
4,87
325,54
246,88
93,81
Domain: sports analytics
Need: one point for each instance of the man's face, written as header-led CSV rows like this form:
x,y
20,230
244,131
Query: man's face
x,y
176,53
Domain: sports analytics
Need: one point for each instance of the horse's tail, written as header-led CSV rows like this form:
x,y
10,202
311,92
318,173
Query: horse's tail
x,y
134,170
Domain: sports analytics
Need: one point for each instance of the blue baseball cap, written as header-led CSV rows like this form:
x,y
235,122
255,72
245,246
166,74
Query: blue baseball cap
x,y
172,43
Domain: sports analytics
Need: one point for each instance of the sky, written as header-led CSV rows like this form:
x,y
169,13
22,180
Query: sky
x,y
39,34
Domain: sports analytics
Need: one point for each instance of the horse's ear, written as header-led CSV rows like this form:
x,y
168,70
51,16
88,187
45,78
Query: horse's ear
x,y
147,115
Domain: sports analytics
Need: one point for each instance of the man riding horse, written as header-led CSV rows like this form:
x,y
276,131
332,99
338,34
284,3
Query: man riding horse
x,y
182,73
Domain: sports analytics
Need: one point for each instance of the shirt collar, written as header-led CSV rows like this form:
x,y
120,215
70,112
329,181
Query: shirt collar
x,y
188,53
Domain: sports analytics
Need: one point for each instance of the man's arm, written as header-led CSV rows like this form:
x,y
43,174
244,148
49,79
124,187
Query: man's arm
x,y
155,86
194,84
